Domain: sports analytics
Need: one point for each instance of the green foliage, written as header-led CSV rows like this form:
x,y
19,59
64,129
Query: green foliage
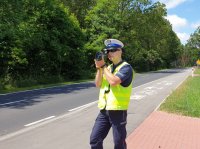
x,y
47,38
194,40
101,22
197,71
39,38
192,49
149,40
80,8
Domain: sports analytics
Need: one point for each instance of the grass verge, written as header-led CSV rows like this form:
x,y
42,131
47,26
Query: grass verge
x,y
185,100
197,71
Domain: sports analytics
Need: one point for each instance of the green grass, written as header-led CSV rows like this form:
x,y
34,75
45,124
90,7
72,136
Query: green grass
x,y
197,71
10,89
185,100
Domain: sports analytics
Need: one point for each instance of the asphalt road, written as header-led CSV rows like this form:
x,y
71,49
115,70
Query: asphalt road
x,y
23,109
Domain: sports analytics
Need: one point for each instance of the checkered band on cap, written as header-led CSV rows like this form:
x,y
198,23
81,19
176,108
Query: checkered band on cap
x,y
113,43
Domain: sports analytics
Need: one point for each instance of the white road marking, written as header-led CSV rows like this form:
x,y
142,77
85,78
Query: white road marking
x,y
8,103
83,106
68,114
170,93
39,121
151,90
169,83
75,83
137,97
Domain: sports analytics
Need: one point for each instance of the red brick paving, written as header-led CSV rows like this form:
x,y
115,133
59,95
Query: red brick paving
x,y
166,131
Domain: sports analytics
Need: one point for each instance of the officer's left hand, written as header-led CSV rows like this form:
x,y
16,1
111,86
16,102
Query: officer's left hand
x,y
99,64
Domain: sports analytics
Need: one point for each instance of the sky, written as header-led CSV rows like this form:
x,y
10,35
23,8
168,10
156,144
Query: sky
x,y
184,15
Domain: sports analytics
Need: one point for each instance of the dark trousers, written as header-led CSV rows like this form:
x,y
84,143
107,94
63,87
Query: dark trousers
x,y
105,120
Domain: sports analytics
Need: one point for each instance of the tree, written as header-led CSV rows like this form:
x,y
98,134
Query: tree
x,y
140,25
194,40
192,48
80,9
39,39
11,47
59,38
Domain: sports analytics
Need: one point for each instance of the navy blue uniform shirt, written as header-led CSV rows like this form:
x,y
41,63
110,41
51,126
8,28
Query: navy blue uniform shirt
x,y
125,73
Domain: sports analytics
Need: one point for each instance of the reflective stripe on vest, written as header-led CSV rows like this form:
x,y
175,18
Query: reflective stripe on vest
x,y
118,97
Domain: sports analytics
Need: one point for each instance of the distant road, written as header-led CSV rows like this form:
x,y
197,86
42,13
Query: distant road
x,y
23,109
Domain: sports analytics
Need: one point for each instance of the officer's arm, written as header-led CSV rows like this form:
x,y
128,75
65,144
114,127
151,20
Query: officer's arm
x,y
112,79
99,74
98,78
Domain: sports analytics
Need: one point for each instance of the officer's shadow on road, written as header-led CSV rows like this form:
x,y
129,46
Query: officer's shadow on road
x,y
29,98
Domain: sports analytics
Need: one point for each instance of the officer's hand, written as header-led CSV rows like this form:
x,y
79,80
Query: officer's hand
x,y
100,63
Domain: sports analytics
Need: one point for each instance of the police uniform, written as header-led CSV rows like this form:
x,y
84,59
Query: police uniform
x,y
113,104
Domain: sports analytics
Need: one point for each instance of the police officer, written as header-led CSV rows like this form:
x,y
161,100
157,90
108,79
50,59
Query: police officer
x,y
115,83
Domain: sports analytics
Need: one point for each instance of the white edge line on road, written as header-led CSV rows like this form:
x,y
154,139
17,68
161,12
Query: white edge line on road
x,y
156,81
83,106
150,82
8,103
74,83
170,94
56,86
26,129
56,118
39,121
43,88
91,103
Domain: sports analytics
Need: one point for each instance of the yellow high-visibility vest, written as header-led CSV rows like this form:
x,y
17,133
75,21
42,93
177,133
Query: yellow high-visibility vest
x,y
118,97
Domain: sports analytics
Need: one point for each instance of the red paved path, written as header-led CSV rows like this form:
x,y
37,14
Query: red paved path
x,y
166,131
